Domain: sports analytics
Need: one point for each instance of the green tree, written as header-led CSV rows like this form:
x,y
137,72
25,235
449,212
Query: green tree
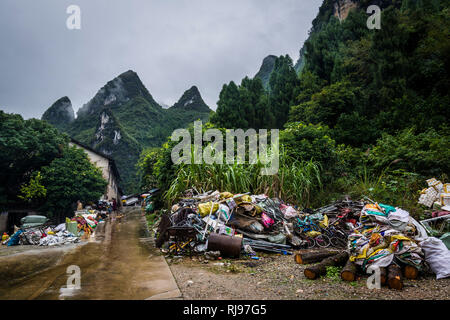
x,y
230,113
425,153
34,190
146,168
243,107
25,146
305,142
70,178
284,85
255,102
326,105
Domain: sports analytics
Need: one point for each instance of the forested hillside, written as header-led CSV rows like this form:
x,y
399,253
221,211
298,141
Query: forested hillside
x,y
366,108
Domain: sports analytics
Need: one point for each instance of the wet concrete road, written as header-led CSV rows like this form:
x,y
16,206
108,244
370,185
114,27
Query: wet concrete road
x,y
124,265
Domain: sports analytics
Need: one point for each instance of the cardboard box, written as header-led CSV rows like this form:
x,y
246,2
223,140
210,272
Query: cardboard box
x,y
445,199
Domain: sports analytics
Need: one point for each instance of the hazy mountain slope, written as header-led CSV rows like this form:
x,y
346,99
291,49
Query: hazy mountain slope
x,y
123,118
60,114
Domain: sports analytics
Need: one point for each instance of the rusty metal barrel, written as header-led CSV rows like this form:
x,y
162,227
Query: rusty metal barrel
x,y
228,246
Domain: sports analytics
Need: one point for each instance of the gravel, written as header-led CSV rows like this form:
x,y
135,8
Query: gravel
x,y
277,277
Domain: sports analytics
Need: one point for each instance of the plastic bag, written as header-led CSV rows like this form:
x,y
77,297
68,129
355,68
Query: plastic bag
x,y
313,234
278,239
224,213
324,222
399,219
15,238
266,220
226,195
60,227
205,208
256,227
289,212
438,256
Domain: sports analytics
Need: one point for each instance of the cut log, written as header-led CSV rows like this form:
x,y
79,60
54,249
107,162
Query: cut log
x,y
383,277
313,257
411,272
320,269
395,278
348,273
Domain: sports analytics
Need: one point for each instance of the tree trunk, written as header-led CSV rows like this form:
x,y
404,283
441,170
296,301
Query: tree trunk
x,y
411,272
348,273
316,271
395,279
312,257
383,277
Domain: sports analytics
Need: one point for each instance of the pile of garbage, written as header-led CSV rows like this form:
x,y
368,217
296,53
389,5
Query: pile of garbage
x,y
41,236
437,195
244,223
84,223
81,226
356,235
387,239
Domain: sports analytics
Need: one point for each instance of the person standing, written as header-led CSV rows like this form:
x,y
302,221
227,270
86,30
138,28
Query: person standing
x,y
114,204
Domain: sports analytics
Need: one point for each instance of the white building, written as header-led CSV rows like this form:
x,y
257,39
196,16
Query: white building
x,y
109,170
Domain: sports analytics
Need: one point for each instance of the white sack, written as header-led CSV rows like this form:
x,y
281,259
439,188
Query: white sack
x,y
438,256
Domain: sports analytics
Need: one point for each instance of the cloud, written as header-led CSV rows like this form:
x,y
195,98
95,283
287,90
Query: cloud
x,y
171,44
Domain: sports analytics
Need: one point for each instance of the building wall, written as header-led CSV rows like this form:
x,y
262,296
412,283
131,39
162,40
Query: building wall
x,y
112,190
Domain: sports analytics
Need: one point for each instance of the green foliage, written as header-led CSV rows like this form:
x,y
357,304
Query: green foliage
x,y
284,85
323,46
310,83
34,189
40,169
250,106
146,168
70,178
229,110
153,218
425,153
333,273
243,107
25,146
125,149
365,115
143,123
378,80
396,187
255,103
326,105
306,142
296,181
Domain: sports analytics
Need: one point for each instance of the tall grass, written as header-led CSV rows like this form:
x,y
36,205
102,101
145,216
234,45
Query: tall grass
x,y
295,182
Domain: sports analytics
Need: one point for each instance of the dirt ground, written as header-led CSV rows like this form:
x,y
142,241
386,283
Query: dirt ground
x,y
277,277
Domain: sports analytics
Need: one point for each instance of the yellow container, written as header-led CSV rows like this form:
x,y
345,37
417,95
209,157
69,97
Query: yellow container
x,y
5,237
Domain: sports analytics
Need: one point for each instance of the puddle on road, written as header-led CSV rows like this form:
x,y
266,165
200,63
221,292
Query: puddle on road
x,y
128,267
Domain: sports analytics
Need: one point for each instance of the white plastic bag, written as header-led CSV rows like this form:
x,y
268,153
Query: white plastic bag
x,y
289,212
438,256
399,219
60,227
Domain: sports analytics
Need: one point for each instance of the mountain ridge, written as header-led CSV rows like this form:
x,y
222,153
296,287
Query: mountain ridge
x,y
123,118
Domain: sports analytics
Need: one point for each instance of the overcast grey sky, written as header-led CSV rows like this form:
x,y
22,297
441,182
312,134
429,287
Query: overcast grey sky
x,y
171,44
